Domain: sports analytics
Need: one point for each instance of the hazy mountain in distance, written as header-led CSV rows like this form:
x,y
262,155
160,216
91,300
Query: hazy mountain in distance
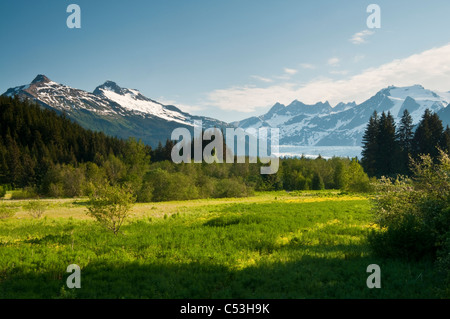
x,y
343,125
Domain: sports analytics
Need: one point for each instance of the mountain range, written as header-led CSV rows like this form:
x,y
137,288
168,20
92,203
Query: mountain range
x,y
116,111
343,125
126,112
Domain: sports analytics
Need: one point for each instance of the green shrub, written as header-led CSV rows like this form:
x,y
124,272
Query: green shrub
x,y
355,179
145,194
26,193
414,212
6,212
231,187
2,191
64,181
408,239
110,205
160,185
35,208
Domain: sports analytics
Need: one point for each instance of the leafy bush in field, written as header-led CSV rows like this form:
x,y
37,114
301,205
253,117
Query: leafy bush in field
x,y
408,238
166,186
355,179
110,206
2,191
35,208
6,212
64,181
415,213
231,187
26,193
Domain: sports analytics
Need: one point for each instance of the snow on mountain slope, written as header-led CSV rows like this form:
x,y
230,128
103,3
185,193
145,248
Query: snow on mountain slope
x,y
126,112
423,97
109,108
344,125
134,101
108,98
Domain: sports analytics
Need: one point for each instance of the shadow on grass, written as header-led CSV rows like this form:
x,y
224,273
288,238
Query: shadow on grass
x,y
79,202
308,277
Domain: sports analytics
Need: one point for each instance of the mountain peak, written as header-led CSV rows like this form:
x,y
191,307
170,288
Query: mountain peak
x,y
108,86
276,108
40,78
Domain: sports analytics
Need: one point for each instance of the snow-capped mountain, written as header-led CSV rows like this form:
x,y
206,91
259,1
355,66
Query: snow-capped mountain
x,y
126,112
114,110
344,125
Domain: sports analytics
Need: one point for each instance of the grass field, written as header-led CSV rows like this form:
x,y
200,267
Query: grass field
x,y
271,245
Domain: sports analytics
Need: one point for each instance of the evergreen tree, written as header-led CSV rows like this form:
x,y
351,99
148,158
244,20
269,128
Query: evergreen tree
x,y
370,145
158,154
387,146
317,182
405,132
405,135
445,140
167,153
428,135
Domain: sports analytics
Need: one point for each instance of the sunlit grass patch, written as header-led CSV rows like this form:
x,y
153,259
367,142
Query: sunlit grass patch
x,y
325,199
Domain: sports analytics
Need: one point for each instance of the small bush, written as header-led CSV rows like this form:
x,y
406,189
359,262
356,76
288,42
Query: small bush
x,y
2,191
145,194
6,212
36,208
26,193
231,187
355,179
407,239
160,185
414,213
110,205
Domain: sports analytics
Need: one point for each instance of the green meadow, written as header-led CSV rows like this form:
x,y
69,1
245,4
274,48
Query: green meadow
x,y
271,245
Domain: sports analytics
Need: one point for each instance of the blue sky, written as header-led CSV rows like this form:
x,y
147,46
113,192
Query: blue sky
x,y
229,59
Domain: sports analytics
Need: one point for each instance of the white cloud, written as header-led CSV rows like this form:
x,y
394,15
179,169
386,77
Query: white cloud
x,y
262,79
341,72
248,98
290,71
307,66
430,68
333,61
360,37
184,107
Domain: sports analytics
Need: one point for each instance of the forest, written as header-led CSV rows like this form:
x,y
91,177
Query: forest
x,y
47,155
388,149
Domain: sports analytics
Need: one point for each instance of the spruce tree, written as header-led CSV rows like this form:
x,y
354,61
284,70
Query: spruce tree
x,y
387,154
428,135
168,150
370,145
317,182
445,140
405,135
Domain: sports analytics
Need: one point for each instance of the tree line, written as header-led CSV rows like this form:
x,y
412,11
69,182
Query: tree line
x,y
52,156
388,148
